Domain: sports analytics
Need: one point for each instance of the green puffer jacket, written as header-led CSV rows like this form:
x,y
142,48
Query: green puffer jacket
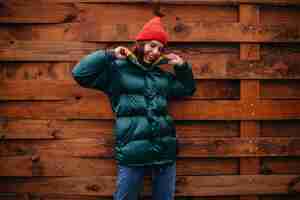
x,y
145,133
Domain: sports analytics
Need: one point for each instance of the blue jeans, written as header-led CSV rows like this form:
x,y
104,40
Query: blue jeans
x,y
130,182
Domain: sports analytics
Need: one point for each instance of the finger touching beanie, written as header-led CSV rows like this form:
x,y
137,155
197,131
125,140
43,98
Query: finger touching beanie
x,y
153,30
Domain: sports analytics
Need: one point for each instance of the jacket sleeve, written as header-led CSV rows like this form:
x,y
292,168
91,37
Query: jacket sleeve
x,y
183,84
94,70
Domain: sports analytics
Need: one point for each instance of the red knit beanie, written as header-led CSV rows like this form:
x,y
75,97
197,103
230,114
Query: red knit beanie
x,y
153,30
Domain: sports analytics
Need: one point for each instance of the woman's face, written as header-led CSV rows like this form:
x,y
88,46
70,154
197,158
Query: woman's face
x,y
152,50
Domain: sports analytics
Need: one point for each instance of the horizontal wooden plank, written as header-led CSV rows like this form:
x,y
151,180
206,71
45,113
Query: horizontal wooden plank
x,y
197,32
213,58
41,32
51,129
270,15
280,197
194,2
44,90
36,12
279,15
279,109
63,90
188,148
12,196
209,61
277,61
45,51
227,2
52,166
61,129
141,13
26,196
53,196
289,165
279,89
288,128
94,108
187,27
36,71
71,31
246,147
186,185
22,166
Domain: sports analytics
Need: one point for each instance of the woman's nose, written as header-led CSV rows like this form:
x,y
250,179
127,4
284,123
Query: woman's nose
x,y
155,51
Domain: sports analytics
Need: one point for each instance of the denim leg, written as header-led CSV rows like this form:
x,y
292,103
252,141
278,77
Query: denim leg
x,y
163,182
129,182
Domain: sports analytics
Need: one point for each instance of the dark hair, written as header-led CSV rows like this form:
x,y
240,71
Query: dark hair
x,y
138,50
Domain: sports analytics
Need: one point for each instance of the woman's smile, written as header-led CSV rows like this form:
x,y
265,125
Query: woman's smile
x,y
150,57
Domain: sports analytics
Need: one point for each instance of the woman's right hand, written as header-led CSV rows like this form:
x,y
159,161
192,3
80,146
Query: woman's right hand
x,y
121,52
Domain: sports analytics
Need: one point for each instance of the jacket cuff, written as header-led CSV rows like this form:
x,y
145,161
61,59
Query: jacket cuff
x,y
182,67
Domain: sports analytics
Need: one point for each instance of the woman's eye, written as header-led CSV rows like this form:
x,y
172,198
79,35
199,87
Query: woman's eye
x,y
152,45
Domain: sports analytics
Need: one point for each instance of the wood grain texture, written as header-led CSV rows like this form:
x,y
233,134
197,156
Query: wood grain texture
x,y
186,185
279,89
55,166
289,128
26,196
194,2
68,31
281,165
99,25
12,12
238,135
95,108
64,90
188,148
197,32
208,61
70,129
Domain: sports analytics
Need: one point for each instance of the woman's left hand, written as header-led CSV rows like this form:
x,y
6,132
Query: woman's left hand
x,y
174,59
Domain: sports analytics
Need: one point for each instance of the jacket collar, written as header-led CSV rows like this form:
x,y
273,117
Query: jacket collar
x,y
161,60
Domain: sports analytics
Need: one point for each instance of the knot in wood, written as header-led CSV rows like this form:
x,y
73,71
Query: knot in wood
x,y
179,27
93,187
2,136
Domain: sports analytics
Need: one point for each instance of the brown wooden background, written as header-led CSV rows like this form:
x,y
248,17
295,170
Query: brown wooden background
x,y
238,135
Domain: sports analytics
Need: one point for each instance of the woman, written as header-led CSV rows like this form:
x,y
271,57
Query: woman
x,y
138,91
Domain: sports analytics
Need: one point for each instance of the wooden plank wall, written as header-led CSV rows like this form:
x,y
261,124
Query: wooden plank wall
x,y
238,135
